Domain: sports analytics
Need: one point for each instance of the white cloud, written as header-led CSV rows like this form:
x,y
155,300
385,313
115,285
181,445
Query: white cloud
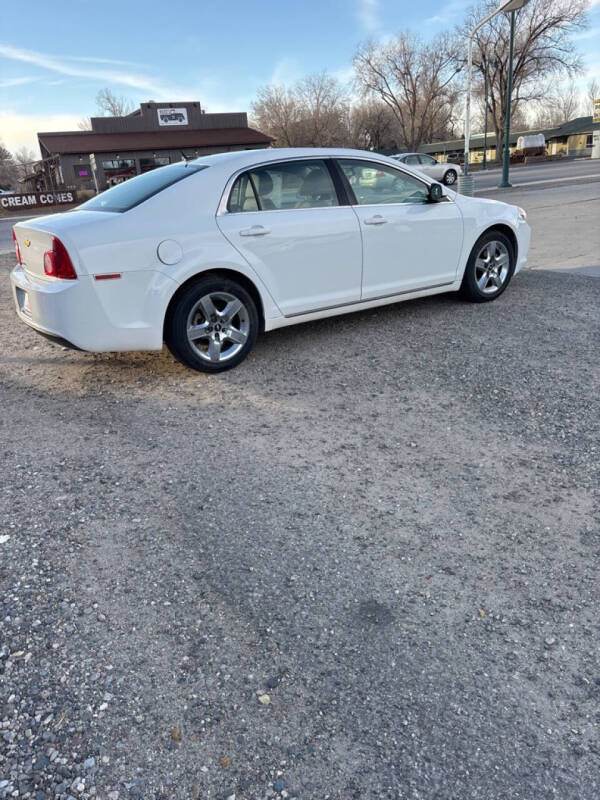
x,y
591,33
20,130
93,60
448,13
285,72
368,15
79,69
8,82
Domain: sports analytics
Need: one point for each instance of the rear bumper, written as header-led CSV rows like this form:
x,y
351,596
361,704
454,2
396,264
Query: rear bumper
x,y
103,316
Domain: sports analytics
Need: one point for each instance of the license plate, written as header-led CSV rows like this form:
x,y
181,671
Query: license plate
x,y
26,306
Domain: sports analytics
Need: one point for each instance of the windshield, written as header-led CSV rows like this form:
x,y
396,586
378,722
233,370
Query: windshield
x,y
134,191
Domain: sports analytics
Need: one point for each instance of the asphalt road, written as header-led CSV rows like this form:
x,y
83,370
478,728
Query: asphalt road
x,y
565,224
361,565
571,171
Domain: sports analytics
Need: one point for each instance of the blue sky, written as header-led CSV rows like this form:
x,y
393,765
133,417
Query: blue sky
x,y
54,58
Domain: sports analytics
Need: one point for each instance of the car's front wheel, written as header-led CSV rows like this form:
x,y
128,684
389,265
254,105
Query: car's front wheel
x,y
450,177
212,324
489,268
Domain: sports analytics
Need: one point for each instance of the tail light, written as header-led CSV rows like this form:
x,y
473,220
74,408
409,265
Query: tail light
x,y
57,262
17,248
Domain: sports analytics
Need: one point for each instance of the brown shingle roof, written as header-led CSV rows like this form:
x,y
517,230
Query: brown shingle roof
x,y
90,142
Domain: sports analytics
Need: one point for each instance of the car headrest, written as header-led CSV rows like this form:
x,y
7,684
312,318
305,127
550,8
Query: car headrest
x,y
265,183
316,183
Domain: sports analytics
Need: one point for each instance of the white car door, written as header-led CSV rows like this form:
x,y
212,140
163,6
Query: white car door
x,y
409,243
285,219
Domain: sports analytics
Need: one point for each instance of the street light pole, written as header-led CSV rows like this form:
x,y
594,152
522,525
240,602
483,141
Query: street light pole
x,y
505,183
485,115
465,182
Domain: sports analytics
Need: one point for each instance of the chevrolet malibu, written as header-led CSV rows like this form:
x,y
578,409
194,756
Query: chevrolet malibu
x,y
206,254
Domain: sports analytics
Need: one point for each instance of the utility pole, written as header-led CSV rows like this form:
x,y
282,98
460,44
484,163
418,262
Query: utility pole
x,y
505,183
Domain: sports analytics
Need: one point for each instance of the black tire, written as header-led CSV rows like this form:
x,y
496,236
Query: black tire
x,y
450,177
471,287
186,315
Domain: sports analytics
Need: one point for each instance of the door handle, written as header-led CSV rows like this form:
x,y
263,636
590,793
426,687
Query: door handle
x,y
376,220
255,230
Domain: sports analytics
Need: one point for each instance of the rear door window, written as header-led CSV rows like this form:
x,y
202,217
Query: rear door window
x,y
288,185
242,197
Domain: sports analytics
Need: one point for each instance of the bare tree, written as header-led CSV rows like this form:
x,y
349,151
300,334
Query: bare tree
x,y
416,80
592,94
323,105
544,53
85,124
561,105
277,113
24,159
314,112
373,126
8,169
112,105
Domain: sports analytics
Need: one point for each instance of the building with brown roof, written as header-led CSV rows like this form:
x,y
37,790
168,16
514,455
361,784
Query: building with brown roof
x,y
155,134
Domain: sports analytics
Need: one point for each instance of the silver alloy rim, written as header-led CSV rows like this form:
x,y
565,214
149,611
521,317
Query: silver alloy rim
x,y
218,327
491,267
450,177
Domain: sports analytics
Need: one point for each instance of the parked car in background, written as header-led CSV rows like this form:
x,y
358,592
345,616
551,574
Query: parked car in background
x,y
446,173
206,254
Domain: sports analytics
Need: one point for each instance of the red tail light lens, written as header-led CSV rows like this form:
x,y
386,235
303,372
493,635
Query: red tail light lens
x,y
57,262
17,248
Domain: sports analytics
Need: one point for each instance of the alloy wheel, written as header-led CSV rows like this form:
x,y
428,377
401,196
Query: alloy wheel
x,y
492,266
218,326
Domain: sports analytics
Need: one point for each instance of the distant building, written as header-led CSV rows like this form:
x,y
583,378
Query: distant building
x,y
573,138
117,148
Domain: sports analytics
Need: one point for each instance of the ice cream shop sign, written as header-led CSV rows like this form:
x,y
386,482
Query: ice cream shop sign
x,y
19,202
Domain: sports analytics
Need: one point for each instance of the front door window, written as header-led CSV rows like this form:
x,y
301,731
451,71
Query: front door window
x,y
374,183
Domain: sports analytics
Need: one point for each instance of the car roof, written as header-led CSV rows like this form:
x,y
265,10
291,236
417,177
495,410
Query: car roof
x,y
245,158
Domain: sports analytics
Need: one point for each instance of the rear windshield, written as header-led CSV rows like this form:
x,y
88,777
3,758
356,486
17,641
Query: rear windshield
x,y
134,191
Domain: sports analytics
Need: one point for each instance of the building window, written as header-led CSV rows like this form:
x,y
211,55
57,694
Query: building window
x,y
118,170
146,164
123,163
589,141
82,171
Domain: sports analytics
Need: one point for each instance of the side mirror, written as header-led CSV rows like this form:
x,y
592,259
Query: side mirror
x,y
435,192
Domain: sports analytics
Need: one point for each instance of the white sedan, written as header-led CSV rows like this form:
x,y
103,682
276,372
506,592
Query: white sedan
x,y
206,254
447,172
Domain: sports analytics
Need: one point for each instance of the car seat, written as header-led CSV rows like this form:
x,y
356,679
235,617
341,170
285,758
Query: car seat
x,y
317,190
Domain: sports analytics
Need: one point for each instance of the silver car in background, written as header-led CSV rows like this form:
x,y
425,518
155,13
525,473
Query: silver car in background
x,y
445,173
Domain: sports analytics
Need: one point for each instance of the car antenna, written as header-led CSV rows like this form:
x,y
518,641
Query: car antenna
x,y
186,158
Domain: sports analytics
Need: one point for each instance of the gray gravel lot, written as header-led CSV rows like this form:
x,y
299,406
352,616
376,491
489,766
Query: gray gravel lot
x,y
364,564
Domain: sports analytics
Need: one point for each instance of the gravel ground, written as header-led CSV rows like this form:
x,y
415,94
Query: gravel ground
x,y
361,565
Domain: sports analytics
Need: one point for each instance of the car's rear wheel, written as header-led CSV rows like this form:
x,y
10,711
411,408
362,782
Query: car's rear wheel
x,y
212,325
489,268
450,177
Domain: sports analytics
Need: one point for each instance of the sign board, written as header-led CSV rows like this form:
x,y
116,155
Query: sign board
x,y
597,110
172,116
18,202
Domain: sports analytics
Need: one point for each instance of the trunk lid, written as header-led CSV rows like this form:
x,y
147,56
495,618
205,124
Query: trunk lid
x,y
35,237
33,243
